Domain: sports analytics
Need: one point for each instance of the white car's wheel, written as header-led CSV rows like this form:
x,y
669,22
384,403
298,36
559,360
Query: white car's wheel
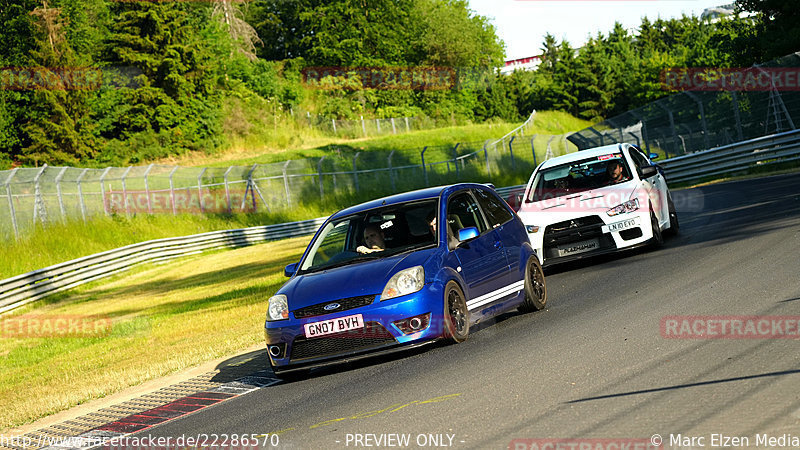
x,y
658,238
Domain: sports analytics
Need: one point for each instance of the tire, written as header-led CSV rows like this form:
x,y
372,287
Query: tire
x,y
456,314
658,238
674,225
535,287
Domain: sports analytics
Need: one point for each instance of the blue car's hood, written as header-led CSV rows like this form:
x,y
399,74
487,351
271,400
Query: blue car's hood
x,y
365,278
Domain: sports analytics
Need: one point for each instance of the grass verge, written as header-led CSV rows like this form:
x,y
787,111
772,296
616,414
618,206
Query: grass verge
x,y
165,318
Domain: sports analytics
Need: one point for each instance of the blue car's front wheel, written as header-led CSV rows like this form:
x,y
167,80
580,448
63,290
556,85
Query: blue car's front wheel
x,y
456,314
535,287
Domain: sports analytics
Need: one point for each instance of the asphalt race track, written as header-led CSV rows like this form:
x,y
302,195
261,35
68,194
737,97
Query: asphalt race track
x,y
596,365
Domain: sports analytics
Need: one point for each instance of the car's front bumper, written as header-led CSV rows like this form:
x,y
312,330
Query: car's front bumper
x,y
589,237
379,335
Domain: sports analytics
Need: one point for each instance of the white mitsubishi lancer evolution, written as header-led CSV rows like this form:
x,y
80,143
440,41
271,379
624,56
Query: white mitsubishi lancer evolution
x,y
596,201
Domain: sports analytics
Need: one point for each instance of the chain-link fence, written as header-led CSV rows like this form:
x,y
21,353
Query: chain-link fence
x,y
38,196
712,116
363,127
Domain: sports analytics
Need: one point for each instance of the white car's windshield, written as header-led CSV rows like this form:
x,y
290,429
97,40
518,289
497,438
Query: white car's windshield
x,y
579,176
373,234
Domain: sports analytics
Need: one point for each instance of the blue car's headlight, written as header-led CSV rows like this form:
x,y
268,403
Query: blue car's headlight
x,y
404,282
278,308
629,206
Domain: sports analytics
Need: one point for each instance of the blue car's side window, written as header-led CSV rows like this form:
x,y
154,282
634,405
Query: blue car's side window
x,y
463,212
496,213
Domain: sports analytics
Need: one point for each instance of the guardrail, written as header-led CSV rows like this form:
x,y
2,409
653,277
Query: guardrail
x,y
26,288
758,152
23,289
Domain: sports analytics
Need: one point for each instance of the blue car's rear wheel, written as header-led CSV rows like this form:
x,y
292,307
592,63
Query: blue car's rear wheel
x,y
456,314
535,287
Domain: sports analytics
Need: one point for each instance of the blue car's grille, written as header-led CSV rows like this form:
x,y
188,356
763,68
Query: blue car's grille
x,y
344,305
372,335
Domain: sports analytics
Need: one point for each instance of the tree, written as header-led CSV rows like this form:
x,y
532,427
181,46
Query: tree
x,y
778,26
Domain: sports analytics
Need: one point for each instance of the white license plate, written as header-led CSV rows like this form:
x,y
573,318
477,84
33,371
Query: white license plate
x,y
331,326
579,247
619,226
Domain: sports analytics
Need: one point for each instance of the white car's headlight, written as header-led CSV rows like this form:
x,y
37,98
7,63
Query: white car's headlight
x,y
404,282
629,206
278,308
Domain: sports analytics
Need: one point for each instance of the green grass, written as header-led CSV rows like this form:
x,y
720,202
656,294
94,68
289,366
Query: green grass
x,y
63,242
246,153
165,318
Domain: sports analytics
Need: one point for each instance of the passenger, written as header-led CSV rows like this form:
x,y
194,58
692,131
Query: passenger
x,y
374,240
431,220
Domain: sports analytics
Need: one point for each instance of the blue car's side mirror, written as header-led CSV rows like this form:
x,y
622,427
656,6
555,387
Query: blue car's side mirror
x,y
653,156
468,233
290,270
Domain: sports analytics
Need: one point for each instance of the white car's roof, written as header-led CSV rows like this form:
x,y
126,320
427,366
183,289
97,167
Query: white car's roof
x,y
583,154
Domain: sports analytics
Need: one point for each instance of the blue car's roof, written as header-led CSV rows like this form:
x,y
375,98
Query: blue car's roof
x,y
420,194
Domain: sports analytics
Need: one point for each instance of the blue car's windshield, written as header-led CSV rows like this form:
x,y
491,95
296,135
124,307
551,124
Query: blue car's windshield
x,y
372,234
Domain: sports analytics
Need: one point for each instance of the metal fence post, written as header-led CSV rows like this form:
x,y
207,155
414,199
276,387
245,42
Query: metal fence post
x,y
455,159
286,184
486,155
391,171
249,188
80,194
172,190
103,189
199,190
147,189
699,102
11,202
394,130
533,150
407,127
60,196
38,202
511,151
378,123
424,169
227,189
355,172
736,116
363,126
125,189
672,128
334,126
319,171
638,142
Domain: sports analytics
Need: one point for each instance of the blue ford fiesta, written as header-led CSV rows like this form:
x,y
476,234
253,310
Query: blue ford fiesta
x,y
384,276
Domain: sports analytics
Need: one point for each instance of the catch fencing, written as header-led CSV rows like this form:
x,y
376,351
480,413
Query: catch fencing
x,y
31,197
699,120
743,156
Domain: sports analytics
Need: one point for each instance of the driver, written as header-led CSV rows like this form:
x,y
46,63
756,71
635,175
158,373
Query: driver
x,y
374,240
616,172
